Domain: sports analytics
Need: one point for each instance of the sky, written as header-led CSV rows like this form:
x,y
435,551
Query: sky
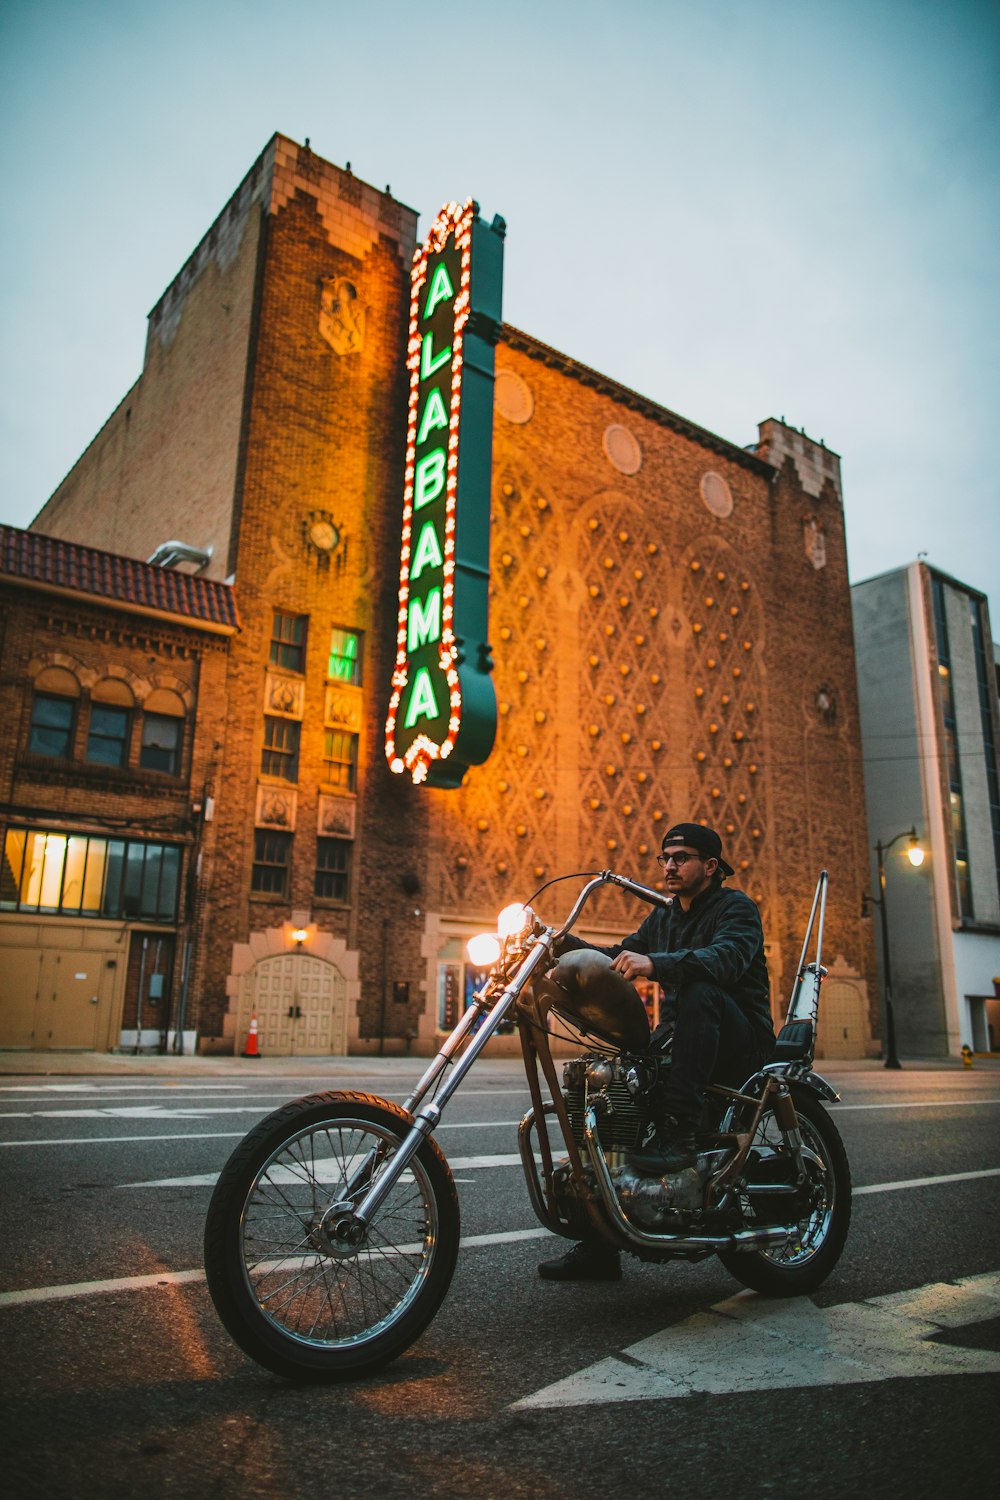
x,y
739,208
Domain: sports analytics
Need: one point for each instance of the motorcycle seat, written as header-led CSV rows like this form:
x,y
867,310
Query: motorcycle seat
x,y
794,1042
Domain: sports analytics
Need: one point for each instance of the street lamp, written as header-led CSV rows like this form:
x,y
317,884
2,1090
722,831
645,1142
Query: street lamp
x,y
915,855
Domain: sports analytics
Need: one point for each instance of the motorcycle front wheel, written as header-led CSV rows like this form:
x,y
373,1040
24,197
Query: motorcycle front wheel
x,y
291,1295
821,1209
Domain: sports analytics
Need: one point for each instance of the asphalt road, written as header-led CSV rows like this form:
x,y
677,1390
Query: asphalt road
x,y
117,1379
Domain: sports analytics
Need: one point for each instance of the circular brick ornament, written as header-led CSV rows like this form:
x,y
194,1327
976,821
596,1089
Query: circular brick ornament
x,y
621,449
716,494
512,397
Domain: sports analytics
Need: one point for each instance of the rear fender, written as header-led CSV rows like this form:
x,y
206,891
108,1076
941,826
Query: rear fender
x,y
792,1075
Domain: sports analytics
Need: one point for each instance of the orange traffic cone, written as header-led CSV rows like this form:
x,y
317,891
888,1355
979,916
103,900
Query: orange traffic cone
x,y
251,1049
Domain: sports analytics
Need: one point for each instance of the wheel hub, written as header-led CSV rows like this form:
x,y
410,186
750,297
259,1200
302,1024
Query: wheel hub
x,y
338,1233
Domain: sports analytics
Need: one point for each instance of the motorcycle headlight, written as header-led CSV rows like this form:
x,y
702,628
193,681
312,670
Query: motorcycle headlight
x,y
514,920
484,950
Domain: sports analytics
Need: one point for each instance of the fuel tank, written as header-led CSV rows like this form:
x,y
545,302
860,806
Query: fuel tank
x,y
589,993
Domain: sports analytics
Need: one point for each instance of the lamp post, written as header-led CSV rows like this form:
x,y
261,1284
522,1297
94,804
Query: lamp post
x,y
916,857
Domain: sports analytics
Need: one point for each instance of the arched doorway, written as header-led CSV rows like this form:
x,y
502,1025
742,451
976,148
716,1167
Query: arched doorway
x,y
301,1006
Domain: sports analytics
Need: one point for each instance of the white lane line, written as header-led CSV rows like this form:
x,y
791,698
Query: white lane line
x,y
284,1095
749,1343
837,1109
212,1135
194,1112
918,1182
132,1140
327,1173
182,1278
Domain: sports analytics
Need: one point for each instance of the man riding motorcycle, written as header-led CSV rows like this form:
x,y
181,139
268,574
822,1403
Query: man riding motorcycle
x,y
707,954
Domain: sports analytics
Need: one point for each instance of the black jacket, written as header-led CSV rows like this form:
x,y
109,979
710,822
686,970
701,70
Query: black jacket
x,y
719,937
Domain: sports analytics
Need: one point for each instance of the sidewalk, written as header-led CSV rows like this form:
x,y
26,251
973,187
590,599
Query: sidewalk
x,y
128,1065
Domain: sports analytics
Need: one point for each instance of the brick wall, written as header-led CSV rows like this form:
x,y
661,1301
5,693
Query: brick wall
x,y
324,442
94,643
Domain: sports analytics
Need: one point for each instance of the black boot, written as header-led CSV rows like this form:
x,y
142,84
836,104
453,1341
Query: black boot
x,y
673,1148
591,1260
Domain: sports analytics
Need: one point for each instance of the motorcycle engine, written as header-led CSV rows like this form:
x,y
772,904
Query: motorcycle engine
x,y
626,1094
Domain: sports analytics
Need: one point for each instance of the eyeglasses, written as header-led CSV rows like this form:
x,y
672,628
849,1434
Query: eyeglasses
x,y
675,859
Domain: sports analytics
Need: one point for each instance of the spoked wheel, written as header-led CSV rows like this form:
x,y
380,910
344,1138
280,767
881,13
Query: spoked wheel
x,y
295,1284
820,1210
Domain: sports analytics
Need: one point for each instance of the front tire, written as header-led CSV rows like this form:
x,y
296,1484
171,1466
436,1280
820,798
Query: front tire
x,y
294,1298
822,1207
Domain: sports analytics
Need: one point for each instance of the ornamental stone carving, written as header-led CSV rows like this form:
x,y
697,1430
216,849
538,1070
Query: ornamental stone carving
x,y
814,541
284,695
342,708
336,817
341,316
275,808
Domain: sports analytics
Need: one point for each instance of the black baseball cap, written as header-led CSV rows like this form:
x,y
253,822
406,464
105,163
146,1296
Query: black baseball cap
x,y
705,840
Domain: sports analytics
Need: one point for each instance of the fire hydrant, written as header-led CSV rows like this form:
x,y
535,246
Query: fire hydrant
x,y
967,1056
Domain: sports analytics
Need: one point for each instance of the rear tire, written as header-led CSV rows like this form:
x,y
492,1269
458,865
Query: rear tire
x,y
806,1259
294,1299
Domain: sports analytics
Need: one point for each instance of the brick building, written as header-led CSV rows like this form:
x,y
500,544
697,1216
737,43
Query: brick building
x,y
112,697
670,620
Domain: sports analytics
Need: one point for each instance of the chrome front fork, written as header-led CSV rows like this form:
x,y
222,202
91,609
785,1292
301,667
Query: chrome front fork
x,y
428,1115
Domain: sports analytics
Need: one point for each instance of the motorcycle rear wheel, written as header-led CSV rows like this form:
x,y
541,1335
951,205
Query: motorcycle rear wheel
x,y
806,1259
291,1297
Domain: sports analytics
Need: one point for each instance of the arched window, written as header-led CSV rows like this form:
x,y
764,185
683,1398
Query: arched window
x,y
110,722
53,712
162,732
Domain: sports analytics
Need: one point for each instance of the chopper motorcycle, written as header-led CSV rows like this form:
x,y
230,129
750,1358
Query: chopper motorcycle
x,y
333,1230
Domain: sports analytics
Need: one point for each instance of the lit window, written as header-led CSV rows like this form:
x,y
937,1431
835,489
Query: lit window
x,y
107,740
70,874
333,869
51,725
280,755
345,657
288,641
272,858
340,759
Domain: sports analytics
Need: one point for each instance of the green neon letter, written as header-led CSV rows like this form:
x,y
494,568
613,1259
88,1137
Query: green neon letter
x,y
434,415
423,704
441,288
423,620
429,479
427,553
429,361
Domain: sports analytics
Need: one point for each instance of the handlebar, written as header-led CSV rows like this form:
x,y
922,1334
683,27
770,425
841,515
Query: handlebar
x,y
607,877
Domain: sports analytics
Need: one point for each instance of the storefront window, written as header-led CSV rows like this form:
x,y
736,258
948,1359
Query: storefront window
x,y
75,875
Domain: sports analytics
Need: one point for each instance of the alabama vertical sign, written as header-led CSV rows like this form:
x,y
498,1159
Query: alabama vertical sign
x,y
442,713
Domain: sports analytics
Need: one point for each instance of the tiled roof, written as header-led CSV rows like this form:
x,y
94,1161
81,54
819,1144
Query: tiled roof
x,y
123,581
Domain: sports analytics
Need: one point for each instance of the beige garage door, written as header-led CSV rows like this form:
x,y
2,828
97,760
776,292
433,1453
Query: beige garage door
x,y
301,1005
843,1028
55,998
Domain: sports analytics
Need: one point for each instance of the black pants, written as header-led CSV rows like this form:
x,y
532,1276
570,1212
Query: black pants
x,y
713,1043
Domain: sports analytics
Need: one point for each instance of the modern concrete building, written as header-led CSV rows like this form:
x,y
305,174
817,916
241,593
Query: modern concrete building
x,y
927,681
